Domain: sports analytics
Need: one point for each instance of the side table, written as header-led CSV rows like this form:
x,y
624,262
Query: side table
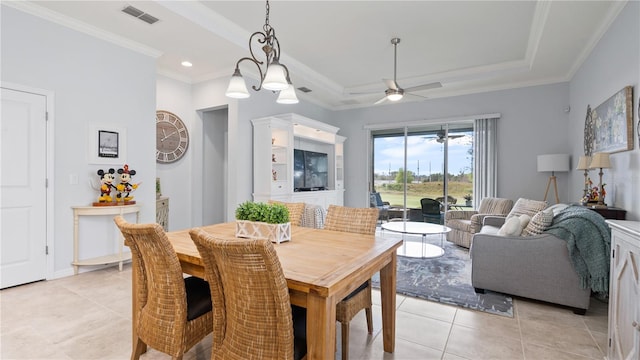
x,y
613,213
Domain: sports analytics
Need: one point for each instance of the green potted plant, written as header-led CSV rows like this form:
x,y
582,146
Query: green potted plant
x,y
467,199
260,220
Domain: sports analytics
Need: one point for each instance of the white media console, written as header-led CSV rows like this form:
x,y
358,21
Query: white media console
x,y
274,140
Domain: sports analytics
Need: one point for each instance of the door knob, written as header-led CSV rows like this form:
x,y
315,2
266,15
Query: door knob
x,y
635,325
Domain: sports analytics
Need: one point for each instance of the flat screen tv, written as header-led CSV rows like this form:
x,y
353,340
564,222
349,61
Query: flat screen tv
x,y
310,170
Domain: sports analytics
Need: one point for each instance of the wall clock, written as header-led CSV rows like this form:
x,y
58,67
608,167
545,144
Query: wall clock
x,y
172,137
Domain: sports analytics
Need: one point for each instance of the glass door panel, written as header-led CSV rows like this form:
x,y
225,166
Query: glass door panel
x,y
438,160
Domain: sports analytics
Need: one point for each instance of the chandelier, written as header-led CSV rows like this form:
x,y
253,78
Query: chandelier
x,y
275,76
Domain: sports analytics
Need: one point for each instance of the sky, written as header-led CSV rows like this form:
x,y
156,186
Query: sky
x,y
427,154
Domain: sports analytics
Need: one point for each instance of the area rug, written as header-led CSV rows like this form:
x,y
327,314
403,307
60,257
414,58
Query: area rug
x,y
446,279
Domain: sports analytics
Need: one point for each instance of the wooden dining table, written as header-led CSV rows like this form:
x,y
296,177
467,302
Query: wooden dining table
x,y
321,268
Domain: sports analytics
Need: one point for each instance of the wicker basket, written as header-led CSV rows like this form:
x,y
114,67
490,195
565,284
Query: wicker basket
x,y
276,233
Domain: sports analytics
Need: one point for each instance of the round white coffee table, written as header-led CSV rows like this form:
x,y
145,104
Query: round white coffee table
x,y
415,249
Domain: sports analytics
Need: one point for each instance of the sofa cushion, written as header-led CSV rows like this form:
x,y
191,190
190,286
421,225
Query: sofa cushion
x,y
460,224
526,206
539,223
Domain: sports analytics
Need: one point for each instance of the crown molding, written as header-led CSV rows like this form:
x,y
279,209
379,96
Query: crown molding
x,y
82,27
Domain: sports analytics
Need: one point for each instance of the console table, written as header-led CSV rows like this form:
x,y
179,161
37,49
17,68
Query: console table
x,y
613,213
120,257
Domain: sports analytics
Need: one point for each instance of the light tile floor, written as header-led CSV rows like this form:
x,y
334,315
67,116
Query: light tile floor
x,y
88,316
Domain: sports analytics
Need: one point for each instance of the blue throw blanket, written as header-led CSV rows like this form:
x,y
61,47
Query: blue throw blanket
x,y
589,242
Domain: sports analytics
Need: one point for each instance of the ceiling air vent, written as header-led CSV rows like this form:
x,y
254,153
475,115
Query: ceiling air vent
x,y
137,13
304,89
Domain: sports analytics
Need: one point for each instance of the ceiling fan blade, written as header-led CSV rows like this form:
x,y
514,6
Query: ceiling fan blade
x,y
380,101
414,95
364,92
433,85
391,84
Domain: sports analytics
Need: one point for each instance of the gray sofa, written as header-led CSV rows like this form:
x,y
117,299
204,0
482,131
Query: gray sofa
x,y
536,267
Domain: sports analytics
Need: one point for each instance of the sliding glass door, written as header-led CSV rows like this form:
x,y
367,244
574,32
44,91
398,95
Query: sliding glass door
x,y
429,161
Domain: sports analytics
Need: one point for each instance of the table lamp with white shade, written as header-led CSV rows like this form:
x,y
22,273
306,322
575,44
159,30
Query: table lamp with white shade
x,y
600,161
583,164
553,163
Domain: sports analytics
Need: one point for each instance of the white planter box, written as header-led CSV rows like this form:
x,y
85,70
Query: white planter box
x,y
276,233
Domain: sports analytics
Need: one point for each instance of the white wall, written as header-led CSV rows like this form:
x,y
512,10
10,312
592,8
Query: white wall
x,y
94,82
175,178
192,103
97,82
533,122
613,64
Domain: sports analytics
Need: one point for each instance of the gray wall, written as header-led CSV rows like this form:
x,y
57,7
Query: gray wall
x,y
97,82
533,122
94,82
613,64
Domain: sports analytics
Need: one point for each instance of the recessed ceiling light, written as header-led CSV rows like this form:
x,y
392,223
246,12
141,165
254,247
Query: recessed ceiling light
x,y
186,64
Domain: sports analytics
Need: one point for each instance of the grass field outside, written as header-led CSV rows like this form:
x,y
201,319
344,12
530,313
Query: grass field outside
x,y
417,191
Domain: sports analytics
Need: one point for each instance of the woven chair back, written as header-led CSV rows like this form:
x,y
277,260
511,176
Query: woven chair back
x,y
163,314
354,220
295,211
252,309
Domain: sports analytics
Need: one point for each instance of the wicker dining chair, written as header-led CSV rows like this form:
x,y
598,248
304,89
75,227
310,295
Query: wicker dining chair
x,y
174,313
253,315
295,211
362,221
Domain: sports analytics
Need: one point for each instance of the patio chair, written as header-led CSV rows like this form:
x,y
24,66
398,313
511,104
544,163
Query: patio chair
x,y
362,221
383,206
253,315
431,210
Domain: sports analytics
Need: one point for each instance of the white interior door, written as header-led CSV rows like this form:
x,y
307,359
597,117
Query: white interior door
x,y
22,188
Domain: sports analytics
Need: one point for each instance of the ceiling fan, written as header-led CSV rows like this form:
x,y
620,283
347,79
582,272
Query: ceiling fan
x,y
440,136
394,92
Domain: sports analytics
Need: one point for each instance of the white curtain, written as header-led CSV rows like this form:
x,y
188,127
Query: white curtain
x,y
485,159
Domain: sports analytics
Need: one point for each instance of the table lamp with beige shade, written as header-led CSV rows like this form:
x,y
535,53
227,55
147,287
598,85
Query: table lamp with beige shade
x,y
583,164
553,163
600,161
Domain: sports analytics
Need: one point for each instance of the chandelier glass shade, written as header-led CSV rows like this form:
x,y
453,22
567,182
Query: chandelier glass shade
x,y
237,88
288,96
274,76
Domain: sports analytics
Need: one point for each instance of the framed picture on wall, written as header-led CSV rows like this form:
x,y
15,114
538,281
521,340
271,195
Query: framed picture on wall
x,y
107,144
613,123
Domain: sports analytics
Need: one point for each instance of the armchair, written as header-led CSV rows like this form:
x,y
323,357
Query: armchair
x,y
465,223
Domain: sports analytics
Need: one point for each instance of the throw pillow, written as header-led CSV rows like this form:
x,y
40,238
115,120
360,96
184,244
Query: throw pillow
x,y
509,227
539,223
526,206
557,208
524,221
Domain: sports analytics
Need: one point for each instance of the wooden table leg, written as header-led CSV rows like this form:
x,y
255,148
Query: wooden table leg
x,y
321,327
388,299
